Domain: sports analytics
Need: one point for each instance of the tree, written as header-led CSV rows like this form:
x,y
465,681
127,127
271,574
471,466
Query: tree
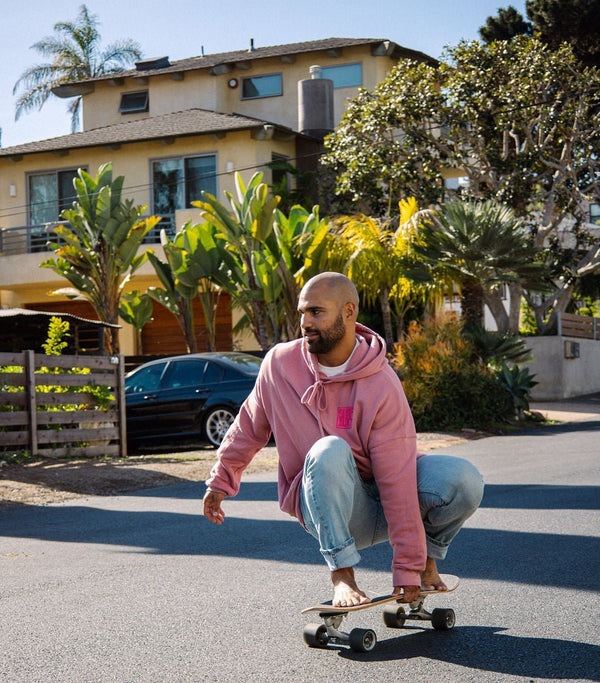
x,y
372,254
75,53
97,251
270,256
576,22
136,309
554,22
508,24
521,120
480,246
193,269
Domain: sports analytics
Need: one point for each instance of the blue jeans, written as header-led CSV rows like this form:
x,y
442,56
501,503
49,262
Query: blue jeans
x,y
344,513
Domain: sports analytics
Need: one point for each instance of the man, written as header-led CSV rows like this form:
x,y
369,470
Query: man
x,y
349,470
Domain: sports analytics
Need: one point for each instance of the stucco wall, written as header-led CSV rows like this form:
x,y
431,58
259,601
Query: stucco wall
x,y
559,377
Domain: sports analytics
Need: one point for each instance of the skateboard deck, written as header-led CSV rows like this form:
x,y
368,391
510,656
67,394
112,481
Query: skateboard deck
x,y
394,616
327,608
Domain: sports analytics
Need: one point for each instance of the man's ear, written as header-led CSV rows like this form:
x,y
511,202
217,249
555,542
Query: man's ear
x,y
350,310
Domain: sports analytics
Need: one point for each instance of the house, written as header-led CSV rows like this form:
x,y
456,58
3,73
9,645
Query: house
x,y
174,129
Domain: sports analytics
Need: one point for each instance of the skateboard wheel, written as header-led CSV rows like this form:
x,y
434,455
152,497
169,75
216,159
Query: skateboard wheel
x,y
315,635
394,616
443,619
362,639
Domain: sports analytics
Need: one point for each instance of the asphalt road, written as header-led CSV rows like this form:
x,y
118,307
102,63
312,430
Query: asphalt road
x,y
140,587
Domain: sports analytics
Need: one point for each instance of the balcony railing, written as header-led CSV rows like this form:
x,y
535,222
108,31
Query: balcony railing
x,y
33,239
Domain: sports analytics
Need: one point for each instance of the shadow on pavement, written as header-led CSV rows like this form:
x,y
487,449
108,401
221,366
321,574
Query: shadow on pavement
x,y
541,497
490,554
490,649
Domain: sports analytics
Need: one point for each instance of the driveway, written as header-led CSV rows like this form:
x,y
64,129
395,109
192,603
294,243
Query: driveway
x,y
140,587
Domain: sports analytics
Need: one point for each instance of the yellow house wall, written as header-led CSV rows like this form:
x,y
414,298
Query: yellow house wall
x,y
196,90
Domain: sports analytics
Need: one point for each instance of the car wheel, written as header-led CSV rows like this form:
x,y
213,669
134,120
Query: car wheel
x,y
217,423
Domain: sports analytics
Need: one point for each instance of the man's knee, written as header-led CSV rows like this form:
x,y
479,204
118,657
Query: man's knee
x,y
473,485
330,456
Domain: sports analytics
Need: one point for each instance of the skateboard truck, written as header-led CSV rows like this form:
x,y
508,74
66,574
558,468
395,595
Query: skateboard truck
x,y
320,635
394,616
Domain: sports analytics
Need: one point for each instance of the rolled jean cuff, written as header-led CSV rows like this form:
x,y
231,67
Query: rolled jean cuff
x,y
341,558
435,550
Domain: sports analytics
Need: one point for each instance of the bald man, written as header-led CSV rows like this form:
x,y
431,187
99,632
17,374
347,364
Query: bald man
x,y
349,470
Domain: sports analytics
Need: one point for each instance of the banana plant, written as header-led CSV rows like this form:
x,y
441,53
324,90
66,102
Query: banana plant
x,y
271,255
245,227
99,244
136,309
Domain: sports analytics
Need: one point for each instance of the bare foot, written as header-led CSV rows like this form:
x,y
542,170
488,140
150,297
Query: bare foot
x,y
345,591
431,579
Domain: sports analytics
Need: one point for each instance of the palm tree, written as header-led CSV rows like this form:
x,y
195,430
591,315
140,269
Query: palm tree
x,y
480,246
373,255
75,54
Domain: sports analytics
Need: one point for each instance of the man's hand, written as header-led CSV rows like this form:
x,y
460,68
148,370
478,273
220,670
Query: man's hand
x,y
212,507
408,593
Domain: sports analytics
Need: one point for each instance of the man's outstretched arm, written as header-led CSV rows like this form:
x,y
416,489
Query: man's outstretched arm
x,y
212,506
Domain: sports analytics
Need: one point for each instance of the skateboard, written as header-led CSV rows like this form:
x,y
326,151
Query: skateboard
x,y
395,615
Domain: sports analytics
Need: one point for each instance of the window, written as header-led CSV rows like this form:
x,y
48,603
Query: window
x,y
262,86
49,194
176,183
187,373
457,183
344,76
595,214
147,379
134,102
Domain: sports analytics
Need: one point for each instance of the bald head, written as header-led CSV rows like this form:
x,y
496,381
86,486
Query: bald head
x,y
334,286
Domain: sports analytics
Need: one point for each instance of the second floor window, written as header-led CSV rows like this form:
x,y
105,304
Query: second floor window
x,y
344,76
178,182
595,214
262,86
134,102
49,194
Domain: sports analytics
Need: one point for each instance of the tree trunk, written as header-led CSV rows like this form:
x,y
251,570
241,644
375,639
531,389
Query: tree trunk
x,y
515,292
494,302
471,302
386,313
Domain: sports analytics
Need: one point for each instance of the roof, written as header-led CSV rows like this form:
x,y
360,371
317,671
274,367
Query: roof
x,y
162,65
163,127
20,312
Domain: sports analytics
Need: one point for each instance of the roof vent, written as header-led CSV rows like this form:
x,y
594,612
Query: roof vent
x,y
251,48
149,64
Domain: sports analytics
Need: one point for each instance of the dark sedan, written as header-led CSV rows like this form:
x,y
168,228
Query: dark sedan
x,y
193,397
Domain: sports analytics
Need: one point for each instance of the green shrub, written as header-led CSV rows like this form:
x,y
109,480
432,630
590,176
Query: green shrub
x,y
444,387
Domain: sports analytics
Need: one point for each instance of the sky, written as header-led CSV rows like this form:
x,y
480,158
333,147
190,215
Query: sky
x,y
182,28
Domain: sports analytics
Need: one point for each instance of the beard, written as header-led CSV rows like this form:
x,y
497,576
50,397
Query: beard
x,y
328,338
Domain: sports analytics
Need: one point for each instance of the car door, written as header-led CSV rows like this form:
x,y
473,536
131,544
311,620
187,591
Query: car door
x,y
142,394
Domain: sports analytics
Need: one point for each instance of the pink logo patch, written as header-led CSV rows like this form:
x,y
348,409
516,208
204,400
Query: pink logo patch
x,y
344,418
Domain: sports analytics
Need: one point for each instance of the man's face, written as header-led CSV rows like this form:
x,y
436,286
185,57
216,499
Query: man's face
x,y
321,321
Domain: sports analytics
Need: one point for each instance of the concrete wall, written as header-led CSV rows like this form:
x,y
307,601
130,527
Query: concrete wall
x,y
559,377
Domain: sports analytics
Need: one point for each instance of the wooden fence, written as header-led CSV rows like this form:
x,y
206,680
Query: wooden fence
x,y
583,326
52,406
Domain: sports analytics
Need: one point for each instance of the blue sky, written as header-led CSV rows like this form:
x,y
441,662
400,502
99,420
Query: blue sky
x,y
180,28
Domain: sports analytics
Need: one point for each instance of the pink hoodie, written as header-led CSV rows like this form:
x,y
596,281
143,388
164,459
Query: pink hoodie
x,y
365,405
